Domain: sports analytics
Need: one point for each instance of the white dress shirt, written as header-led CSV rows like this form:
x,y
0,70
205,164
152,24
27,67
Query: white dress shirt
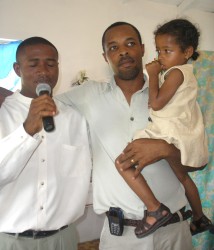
x,y
112,123
44,179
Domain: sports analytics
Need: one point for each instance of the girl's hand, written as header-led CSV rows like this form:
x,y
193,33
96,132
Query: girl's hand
x,y
153,67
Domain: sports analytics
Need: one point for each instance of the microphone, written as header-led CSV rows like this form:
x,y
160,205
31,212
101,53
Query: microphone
x,y
48,122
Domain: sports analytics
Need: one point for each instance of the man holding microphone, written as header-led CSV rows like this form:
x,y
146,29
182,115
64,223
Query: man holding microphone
x,y
44,173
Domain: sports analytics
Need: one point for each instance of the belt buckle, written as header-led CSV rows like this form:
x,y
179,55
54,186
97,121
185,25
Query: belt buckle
x,y
35,234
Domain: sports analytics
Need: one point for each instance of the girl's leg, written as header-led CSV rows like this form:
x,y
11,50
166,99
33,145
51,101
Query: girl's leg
x,y
200,222
190,190
143,191
193,197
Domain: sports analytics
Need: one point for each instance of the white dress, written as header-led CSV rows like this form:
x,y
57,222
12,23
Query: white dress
x,y
180,122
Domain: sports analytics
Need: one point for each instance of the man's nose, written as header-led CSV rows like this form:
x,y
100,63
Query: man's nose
x,y
42,68
123,51
43,73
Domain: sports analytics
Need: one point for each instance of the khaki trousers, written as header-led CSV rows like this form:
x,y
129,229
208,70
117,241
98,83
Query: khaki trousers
x,y
63,240
172,237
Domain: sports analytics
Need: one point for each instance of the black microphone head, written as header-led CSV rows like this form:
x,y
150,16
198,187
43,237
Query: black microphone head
x,y
43,88
48,122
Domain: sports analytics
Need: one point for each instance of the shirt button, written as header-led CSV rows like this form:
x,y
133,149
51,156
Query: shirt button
x,y
132,118
41,208
42,183
43,160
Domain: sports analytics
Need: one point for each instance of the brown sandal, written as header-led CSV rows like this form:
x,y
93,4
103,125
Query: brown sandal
x,y
201,225
144,229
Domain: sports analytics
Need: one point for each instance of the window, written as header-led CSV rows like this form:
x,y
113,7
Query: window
x,y
8,77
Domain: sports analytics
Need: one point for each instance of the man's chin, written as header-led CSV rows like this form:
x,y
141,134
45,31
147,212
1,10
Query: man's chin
x,y
128,74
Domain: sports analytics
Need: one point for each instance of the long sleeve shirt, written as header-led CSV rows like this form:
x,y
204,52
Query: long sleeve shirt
x,y
44,179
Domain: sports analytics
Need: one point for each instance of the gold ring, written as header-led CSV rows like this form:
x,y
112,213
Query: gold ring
x,y
132,160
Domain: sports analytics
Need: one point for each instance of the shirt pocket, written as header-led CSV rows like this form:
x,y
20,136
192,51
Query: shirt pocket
x,y
74,160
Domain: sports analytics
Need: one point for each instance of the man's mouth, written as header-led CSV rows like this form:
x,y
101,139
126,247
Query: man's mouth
x,y
126,61
43,79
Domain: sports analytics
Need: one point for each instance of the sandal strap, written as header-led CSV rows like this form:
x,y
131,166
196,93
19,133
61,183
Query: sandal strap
x,y
145,224
202,222
158,213
201,225
144,228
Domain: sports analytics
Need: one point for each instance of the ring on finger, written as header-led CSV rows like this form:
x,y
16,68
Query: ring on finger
x,y
132,161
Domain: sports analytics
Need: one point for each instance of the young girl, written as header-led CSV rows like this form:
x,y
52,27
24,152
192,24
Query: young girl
x,y
175,117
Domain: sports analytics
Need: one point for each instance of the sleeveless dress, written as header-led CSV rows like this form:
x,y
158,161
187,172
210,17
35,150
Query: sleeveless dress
x,y
180,121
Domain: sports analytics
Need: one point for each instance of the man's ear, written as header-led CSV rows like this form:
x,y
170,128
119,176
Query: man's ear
x,y
104,55
188,52
142,49
16,68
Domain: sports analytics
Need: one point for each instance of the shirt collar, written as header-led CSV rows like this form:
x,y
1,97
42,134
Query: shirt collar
x,y
22,98
111,85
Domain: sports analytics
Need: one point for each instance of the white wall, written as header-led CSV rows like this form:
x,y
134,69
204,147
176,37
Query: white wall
x,y
76,28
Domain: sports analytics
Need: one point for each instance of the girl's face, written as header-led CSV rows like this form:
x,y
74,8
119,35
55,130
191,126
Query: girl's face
x,y
169,52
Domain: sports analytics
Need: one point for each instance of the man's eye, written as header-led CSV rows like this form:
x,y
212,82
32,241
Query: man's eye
x,y
167,51
32,65
112,48
51,64
131,44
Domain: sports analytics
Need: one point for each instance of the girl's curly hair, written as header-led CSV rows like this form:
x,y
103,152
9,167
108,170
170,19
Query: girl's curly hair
x,y
185,33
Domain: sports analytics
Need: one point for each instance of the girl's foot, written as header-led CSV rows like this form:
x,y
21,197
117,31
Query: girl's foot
x,y
201,225
161,216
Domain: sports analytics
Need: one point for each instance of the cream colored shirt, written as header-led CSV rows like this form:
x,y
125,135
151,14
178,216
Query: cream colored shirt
x,y
44,179
180,121
112,123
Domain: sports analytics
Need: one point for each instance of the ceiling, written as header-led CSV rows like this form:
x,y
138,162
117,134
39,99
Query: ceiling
x,y
203,5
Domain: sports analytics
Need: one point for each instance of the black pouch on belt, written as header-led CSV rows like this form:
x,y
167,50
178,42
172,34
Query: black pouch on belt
x,y
116,221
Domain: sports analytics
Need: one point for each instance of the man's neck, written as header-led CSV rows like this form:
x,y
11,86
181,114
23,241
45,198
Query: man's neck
x,y
129,87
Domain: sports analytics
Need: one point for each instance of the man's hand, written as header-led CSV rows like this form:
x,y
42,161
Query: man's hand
x,y
142,152
40,107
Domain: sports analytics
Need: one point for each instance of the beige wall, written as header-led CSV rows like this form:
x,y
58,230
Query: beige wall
x,y
76,28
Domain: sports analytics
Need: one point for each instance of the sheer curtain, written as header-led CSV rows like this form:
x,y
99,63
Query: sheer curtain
x,y
8,78
204,72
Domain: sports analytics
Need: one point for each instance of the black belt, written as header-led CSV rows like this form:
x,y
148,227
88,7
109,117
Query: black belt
x,y
37,234
178,216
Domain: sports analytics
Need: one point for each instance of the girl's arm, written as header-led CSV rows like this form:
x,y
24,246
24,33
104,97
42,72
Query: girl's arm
x,y
159,97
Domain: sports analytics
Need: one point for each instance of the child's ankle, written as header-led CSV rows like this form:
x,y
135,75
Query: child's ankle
x,y
154,207
197,216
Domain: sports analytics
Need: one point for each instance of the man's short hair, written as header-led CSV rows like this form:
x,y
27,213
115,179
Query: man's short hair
x,y
119,24
32,41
